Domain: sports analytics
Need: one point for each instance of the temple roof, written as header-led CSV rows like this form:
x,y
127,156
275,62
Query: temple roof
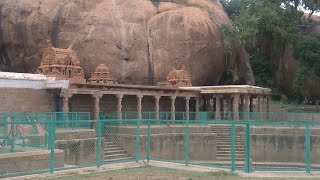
x,y
12,75
102,68
231,89
178,74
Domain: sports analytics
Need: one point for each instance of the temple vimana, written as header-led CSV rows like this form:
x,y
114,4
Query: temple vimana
x,y
60,85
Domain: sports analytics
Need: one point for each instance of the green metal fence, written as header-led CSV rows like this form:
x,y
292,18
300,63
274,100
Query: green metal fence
x,y
247,146
224,116
68,120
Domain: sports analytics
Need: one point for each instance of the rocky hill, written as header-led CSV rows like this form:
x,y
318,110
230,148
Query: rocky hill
x,y
139,40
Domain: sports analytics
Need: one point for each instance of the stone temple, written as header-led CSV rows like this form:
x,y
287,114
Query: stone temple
x,y
101,75
60,85
63,64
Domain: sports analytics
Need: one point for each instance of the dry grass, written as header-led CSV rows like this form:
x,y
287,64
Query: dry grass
x,y
156,173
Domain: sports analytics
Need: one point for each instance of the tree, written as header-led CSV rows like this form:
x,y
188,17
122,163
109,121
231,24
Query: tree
x,y
264,28
312,6
307,54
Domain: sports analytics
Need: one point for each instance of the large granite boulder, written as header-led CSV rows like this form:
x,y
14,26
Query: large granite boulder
x,y
141,41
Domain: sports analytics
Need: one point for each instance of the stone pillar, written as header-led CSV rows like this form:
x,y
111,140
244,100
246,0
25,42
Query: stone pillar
x,y
173,108
260,107
202,104
268,104
157,106
96,109
65,96
236,107
225,107
119,106
211,104
218,108
229,109
247,103
139,108
241,108
268,108
251,104
259,104
242,104
197,107
210,109
247,107
187,108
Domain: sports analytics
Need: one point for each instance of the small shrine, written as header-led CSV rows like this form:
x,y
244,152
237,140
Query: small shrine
x,y
63,64
102,75
179,78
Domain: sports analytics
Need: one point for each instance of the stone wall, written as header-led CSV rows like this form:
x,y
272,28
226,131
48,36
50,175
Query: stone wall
x,y
80,151
69,134
29,161
26,100
168,142
270,144
283,144
80,146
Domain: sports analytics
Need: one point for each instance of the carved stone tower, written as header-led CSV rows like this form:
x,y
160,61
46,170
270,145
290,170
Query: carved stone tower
x,y
178,78
64,64
102,75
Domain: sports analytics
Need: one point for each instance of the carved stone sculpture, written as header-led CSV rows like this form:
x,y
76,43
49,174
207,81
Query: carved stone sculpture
x,y
102,75
63,64
178,78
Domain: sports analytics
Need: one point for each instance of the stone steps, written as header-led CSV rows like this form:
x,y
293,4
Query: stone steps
x,y
224,143
118,151
229,159
118,159
228,143
113,152
229,149
229,139
229,153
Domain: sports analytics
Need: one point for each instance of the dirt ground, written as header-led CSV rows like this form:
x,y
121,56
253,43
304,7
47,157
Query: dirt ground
x,y
158,173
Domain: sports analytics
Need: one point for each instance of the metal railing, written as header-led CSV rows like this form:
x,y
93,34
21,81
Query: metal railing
x,y
247,146
223,116
69,120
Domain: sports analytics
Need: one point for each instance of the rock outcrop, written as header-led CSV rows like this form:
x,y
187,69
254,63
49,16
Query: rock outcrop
x,y
288,67
140,41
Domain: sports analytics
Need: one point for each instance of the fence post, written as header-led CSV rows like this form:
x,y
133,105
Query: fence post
x,y
149,141
247,166
51,141
99,143
233,145
12,136
308,148
187,144
138,140
6,135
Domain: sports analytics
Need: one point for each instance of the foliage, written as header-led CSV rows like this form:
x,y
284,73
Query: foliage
x,y
264,71
307,53
245,31
265,28
312,6
256,19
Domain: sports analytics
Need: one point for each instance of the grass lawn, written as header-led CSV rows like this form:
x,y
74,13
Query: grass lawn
x,y
155,173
